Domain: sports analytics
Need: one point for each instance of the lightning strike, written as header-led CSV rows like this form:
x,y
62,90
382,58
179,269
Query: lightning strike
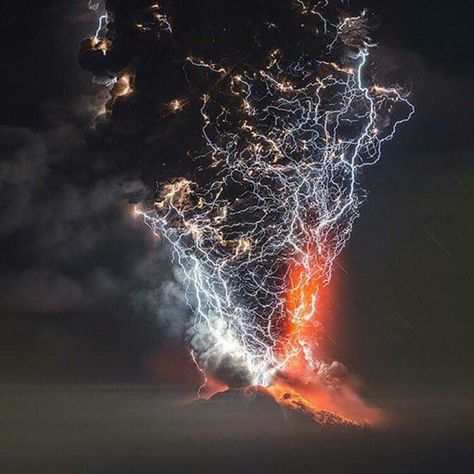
x,y
253,271
287,145
99,42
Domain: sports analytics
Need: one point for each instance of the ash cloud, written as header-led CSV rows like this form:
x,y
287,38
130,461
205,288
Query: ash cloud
x,y
142,131
73,259
67,247
152,125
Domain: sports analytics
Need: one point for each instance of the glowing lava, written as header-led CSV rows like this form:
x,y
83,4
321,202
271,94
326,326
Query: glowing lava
x,y
301,305
321,390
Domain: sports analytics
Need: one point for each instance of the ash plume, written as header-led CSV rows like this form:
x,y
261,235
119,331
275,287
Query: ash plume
x,y
256,120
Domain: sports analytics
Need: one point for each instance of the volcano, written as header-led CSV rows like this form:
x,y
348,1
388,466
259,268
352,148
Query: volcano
x,y
258,402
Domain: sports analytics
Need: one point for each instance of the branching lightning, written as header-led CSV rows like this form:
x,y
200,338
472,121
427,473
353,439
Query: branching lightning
x,y
99,42
287,145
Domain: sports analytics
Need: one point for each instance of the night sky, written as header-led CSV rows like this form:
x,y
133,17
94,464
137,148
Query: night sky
x,y
87,293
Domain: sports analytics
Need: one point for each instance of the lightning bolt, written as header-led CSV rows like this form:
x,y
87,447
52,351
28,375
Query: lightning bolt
x,y
287,145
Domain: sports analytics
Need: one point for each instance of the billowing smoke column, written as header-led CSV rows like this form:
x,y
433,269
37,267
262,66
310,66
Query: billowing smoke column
x,y
257,119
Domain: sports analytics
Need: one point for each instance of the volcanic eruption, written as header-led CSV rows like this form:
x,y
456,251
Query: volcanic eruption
x,y
257,133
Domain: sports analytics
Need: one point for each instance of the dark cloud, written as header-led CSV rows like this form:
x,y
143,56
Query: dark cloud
x,y
441,98
142,132
77,269
40,290
69,245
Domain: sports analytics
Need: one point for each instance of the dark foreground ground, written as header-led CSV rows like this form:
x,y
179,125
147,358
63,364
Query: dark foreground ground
x,y
141,430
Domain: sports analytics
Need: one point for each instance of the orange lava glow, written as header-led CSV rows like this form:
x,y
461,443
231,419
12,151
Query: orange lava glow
x,y
319,400
303,303
289,397
308,384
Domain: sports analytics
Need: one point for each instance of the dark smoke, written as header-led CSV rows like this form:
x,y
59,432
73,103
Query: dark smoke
x,y
141,132
74,265
62,231
152,126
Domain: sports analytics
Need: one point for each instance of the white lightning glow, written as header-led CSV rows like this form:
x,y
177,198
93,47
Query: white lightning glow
x,y
287,145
